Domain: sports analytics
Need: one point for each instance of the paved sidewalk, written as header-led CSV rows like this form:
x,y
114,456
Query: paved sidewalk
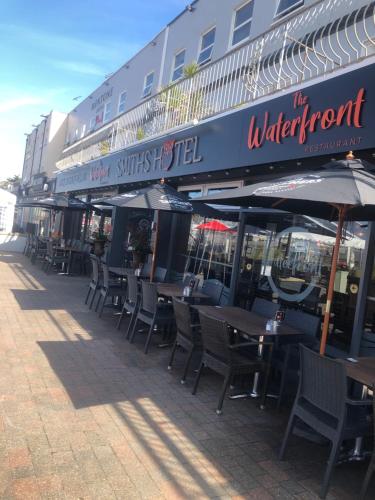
x,y
86,415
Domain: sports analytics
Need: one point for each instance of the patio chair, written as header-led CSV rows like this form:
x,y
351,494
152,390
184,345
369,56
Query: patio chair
x,y
152,312
94,284
371,467
214,289
322,403
131,303
187,279
188,335
108,289
55,257
286,356
225,358
160,274
264,308
38,250
146,270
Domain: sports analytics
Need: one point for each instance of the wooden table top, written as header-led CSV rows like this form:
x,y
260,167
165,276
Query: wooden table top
x,y
121,271
177,290
362,371
246,321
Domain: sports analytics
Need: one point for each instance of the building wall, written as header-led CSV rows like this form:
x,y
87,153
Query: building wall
x,y
184,32
44,146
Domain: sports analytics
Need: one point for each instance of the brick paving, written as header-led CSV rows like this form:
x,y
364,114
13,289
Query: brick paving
x,y
86,415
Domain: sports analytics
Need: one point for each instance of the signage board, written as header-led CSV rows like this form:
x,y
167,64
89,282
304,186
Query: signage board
x,y
335,115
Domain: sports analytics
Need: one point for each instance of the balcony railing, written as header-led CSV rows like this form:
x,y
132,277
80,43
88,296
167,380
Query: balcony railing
x,y
321,39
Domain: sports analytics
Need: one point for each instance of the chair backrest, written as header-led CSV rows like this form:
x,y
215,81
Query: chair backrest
x,y
146,270
224,297
95,268
323,382
105,275
149,297
160,274
187,278
132,288
215,337
214,289
49,248
182,315
307,323
264,308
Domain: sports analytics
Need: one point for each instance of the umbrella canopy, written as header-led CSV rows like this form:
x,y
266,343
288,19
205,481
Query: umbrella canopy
x,y
55,202
155,197
348,182
339,190
214,225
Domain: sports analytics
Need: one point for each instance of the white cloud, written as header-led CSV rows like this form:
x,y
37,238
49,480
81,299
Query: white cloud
x,y
20,102
79,67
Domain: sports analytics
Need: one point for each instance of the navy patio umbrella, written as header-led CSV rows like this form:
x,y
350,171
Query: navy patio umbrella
x,y
340,190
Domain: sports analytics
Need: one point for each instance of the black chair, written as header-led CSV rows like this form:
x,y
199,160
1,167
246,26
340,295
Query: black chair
x,y
187,278
94,284
214,289
152,312
286,355
160,274
108,289
371,467
55,257
38,250
224,358
131,303
188,335
322,403
145,270
264,308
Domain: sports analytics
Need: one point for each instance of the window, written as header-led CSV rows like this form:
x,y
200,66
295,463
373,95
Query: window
x,y
149,81
207,45
83,130
107,111
121,102
286,6
178,69
242,23
92,123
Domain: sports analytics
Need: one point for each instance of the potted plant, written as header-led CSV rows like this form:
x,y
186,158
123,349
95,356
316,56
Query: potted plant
x,y
99,240
139,245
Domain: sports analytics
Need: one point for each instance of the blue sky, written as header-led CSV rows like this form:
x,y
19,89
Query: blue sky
x,y
54,51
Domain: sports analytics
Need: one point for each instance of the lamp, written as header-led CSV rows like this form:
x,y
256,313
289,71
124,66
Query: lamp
x,y
189,7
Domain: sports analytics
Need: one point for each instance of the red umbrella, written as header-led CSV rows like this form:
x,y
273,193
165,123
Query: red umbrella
x,y
215,225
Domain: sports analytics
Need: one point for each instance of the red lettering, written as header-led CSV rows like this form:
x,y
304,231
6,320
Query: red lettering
x,y
253,140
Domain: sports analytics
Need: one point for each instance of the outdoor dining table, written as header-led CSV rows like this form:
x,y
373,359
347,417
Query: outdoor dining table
x,y
71,251
251,325
362,370
176,290
121,271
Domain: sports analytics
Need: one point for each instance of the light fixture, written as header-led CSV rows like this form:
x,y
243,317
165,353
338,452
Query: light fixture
x,y
271,167
247,170
127,66
153,43
334,159
226,172
209,176
194,177
298,163
189,7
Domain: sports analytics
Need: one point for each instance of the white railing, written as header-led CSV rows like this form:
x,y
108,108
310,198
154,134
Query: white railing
x,y
328,36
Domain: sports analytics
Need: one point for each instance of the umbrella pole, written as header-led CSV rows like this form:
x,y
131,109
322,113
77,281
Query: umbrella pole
x,y
153,264
323,342
212,251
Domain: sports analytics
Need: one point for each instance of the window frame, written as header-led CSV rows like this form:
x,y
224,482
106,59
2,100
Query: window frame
x,y
92,123
121,103
235,28
287,11
200,50
144,94
175,68
106,111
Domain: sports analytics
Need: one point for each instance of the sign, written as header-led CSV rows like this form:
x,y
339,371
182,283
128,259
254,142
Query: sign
x,y
335,115
102,98
294,273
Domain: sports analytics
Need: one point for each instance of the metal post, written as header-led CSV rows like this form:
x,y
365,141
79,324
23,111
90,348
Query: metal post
x,y
365,277
172,240
237,258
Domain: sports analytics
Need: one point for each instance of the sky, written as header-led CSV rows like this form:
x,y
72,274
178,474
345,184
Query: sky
x,y
54,51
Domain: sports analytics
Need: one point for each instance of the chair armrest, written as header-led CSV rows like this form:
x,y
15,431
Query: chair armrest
x,y
359,402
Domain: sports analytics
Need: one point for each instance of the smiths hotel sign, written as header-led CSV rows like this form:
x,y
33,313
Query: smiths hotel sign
x,y
172,153
150,163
